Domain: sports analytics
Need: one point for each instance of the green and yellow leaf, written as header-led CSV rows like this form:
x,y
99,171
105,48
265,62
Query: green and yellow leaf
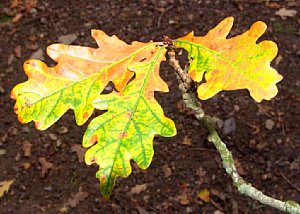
x,y
235,63
80,75
127,129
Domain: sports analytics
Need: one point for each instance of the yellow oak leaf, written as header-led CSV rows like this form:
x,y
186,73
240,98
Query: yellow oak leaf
x,y
126,130
235,63
80,75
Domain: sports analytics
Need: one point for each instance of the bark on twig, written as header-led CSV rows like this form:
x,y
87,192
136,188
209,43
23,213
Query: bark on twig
x,y
227,159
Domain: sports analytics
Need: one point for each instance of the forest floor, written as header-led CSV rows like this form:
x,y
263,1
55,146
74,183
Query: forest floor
x,y
263,137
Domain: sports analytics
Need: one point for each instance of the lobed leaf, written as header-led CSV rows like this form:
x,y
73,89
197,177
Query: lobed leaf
x,y
80,75
127,129
230,64
5,186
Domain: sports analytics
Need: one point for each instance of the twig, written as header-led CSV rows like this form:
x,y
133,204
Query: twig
x,y
227,158
218,206
290,183
161,15
206,150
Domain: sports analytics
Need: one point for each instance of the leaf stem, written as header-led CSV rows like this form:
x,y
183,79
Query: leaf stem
x,y
184,82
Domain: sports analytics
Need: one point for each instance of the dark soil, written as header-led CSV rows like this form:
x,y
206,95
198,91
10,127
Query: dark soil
x,y
266,157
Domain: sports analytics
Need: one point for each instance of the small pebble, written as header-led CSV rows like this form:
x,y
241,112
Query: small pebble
x,y
25,129
189,209
236,107
2,90
146,198
2,151
172,22
229,126
220,123
48,188
196,123
264,177
58,143
269,124
43,20
95,210
67,39
33,11
62,130
53,136
39,54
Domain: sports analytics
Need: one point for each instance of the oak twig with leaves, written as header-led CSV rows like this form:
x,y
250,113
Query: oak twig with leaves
x,y
133,116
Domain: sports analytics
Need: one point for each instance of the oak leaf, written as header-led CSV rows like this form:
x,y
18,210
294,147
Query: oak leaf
x,y
74,200
46,165
235,63
80,151
128,127
80,75
4,186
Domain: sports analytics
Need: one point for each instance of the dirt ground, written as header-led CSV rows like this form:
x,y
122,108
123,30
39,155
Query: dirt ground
x,y
264,137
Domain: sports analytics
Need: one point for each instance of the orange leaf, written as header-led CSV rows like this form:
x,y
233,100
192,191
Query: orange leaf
x,y
204,195
80,75
234,63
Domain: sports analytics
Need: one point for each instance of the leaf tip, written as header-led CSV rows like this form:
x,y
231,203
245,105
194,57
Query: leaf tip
x,y
279,78
13,94
257,29
20,119
28,64
91,141
229,19
31,66
53,51
97,33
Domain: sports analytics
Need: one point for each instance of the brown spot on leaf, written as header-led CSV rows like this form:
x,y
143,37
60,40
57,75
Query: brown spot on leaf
x,y
193,74
85,115
102,179
92,140
93,160
129,113
37,124
123,135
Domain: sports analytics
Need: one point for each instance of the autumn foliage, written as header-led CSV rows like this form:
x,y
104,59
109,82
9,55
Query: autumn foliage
x,y
133,116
